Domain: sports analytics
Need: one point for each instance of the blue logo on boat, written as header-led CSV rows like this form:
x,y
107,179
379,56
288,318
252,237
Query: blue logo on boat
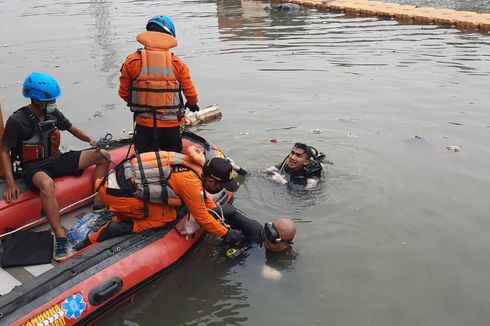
x,y
73,306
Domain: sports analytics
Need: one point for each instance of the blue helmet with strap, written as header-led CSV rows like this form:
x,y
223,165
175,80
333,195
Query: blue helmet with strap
x,y
40,86
164,23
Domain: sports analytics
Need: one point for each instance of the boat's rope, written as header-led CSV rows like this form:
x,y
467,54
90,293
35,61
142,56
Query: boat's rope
x,y
43,219
219,217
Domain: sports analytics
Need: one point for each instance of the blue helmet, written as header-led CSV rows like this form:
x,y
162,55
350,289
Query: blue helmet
x,y
164,22
41,86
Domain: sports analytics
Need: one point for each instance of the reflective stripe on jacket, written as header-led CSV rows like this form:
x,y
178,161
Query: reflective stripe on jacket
x,y
146,175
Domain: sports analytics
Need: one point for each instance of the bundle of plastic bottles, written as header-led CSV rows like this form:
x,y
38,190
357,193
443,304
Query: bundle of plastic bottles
x,y
87,223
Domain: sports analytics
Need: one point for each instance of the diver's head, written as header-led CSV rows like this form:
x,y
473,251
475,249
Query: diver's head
x,y
218,173
299,157
279,234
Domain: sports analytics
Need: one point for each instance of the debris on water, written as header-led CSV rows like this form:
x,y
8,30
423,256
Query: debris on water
x,y
75,82
455,123
130,323
18,82
56,66
351,135
289,7
244,133
4,86
418,137
123,131
270,273
316,131
284,128
273,140
98,114
5,45
454,149
131,133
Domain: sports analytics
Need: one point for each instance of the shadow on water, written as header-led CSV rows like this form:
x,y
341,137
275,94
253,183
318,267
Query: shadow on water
x,y
105,48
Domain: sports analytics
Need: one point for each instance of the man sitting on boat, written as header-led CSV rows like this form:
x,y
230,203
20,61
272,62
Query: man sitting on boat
x,y
32,135
144,192
302,167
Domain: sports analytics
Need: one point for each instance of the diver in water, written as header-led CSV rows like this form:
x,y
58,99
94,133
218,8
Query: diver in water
x,y
276,236
302,167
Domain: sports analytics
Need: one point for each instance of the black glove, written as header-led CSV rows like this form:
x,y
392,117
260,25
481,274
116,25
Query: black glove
x,y
232,236
192,107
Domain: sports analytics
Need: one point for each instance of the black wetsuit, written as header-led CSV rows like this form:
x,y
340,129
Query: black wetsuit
x,y
251,229
301,176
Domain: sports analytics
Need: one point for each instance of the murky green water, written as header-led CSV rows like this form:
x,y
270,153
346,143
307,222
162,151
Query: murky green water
x,y
397,234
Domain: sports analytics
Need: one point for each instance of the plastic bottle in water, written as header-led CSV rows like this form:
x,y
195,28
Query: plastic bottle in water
x,y
81,228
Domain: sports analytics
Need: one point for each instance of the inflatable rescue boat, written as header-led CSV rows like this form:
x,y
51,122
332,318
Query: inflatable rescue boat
x,y
98,278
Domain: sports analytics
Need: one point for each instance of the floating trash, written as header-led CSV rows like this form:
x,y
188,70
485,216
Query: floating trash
x,y
455,123
123,131
316,131
98,114
454,149
351,135
273,140
244,133
270,273
5,45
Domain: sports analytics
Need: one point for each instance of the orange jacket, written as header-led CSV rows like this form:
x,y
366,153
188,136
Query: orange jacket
x,y
131,68
187,185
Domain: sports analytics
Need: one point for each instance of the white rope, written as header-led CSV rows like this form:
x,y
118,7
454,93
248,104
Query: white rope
x,y
219,217
43,219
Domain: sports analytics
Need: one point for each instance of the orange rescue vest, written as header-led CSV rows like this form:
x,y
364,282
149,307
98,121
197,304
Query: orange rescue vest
x,y
145,176
156,93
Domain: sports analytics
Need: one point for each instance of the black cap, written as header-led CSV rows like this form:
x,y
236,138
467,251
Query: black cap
x,y
221,170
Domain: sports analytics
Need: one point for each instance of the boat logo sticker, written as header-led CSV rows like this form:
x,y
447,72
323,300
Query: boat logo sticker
x,y
73,306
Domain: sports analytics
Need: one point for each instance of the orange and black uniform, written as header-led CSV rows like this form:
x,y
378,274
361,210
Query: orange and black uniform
x,y
165,75
132,215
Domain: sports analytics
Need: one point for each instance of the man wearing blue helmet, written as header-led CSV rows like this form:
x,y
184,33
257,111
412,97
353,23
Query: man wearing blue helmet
x,y
152,82
32,136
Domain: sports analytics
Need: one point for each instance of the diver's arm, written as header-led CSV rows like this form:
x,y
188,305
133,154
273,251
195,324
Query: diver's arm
x,y
272,169
311,183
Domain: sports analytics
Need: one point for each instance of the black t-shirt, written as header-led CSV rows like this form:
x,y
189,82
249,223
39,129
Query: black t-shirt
x,y
20,127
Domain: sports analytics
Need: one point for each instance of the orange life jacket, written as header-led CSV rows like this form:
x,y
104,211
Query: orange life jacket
x,y
44,142
145,177
156,93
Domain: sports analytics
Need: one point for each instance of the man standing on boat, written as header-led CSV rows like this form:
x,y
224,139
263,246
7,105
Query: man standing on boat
x,y
32,136
152,81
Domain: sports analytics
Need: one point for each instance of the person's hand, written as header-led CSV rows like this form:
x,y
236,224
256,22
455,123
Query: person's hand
x,y
192,107
12,192
92,142
278,178
232,236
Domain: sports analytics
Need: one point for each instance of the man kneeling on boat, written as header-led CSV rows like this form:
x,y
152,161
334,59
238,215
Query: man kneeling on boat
x,y
144,192
32,135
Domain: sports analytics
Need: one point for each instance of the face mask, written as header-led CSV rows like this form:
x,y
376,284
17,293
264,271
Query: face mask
x,y
49,108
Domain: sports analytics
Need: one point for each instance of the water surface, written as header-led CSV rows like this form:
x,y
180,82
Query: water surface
x,y
396,234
